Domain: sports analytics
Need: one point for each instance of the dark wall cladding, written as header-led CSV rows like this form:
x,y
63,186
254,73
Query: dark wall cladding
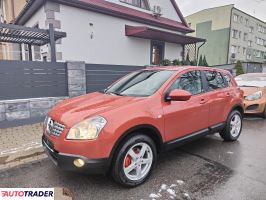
x,y
99,77
26,79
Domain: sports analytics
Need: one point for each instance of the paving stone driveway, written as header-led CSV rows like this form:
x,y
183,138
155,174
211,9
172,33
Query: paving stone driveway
x,y
20,145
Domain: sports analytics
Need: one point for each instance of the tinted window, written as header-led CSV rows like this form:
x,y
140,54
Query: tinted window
x,y
227,79
190,82
141,83
215,80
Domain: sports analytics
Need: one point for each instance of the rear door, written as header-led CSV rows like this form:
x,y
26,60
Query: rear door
x,y
186,117
219,97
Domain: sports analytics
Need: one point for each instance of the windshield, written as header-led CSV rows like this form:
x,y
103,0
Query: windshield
x,y
140,83
251,81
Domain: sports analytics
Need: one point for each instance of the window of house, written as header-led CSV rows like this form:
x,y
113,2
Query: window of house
x,y
249,43
234,33
261,42
257,54
235,18
260,28
251,29
138,3
246,22
244,51
240,19
245,37
215,80
249,56
240,34
157,52
190,81
233,49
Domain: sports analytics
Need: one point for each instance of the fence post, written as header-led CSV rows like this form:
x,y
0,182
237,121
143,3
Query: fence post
x,y
76,73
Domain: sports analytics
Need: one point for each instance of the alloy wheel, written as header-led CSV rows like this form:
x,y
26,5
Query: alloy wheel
x,y
138,161
235,125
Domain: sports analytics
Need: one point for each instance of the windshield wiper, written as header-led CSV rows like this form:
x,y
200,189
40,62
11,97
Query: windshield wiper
x,y
114,93
247,86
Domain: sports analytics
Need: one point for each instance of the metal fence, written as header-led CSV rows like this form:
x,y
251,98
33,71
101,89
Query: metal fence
x,y
25,79
99,77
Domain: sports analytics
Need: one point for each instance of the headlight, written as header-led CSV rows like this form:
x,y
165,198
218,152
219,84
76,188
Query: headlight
x,y
254,96
45,122
88,129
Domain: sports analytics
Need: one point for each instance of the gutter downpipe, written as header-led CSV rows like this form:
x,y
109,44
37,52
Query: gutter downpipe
x,y
198,51
230,30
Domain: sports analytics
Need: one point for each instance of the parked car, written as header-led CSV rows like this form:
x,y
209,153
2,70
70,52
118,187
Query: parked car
x,y
254,87
122,129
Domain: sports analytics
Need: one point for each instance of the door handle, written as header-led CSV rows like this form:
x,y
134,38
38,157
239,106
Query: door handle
x,y
203,101
228,94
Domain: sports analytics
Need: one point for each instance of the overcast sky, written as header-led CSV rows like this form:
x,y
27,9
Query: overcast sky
x,y
256,8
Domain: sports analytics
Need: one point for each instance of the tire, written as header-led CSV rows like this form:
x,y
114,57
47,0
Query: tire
x,y
123,160
228,134
264,113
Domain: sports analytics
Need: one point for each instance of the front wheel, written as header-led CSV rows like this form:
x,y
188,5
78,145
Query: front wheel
x,y
264,113
233,126
134,161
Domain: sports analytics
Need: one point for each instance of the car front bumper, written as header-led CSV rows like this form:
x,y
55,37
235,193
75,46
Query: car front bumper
x,y
254,107
66,161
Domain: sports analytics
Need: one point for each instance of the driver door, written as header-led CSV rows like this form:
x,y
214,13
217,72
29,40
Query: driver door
x,y
187,117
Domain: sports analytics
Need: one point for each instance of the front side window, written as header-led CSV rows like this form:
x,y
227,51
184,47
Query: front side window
x,y
215,80
190,82
138,3
140,84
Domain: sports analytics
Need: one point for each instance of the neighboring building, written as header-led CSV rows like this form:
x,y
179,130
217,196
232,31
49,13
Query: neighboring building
x,y
113,32
231,35
9,10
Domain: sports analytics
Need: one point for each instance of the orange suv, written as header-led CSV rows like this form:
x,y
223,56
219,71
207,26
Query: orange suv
x,y
121,130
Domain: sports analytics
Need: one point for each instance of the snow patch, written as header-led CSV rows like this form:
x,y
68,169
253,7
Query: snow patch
x,y
173,185
180,182
154,196
171,192
186,195
163,187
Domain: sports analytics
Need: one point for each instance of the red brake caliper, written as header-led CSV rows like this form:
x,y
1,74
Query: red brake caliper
x,y
127,161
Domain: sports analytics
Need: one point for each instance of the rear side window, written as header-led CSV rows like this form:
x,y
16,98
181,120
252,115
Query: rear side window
x,y
227,79
190,81
215,80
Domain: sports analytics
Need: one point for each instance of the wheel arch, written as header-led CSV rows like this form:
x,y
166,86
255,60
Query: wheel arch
x,y
145,129
238,107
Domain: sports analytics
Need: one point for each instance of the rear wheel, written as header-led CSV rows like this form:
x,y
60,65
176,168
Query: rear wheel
x,y
134,161
233,126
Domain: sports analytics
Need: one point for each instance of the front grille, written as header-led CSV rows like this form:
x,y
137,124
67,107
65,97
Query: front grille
x,y
54,127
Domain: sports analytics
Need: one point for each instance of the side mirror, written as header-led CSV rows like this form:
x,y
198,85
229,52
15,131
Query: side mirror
x,y
179,95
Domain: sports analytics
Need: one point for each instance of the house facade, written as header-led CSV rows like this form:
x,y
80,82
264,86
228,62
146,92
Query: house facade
x,y
232,35
9,10
112,32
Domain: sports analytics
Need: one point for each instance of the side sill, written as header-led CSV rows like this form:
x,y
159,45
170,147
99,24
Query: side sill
x,y
194,136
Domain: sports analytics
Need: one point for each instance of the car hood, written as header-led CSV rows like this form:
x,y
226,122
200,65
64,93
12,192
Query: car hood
x,y
251,90
74,110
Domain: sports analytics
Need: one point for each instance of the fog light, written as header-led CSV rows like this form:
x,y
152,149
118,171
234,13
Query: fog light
x,y
79,163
